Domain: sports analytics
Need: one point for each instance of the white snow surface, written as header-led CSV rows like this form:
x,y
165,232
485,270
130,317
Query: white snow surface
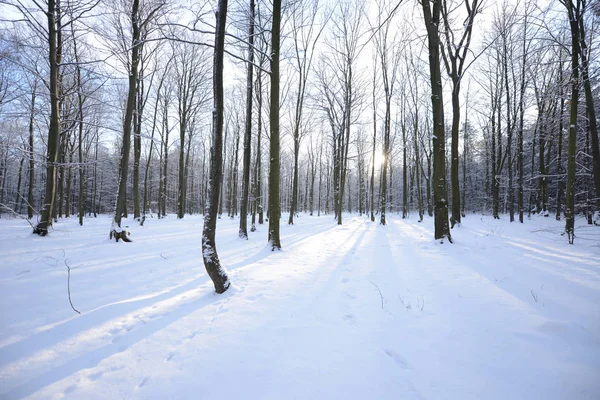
x,y
358,311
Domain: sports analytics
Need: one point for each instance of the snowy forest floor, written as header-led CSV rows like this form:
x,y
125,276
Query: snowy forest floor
x,y
359,311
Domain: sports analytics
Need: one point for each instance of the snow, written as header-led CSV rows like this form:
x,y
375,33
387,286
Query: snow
x,y
357,311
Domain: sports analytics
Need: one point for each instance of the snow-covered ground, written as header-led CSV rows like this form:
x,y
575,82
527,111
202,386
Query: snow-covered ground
x,y
359,311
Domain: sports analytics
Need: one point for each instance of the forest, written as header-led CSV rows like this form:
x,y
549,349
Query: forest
x,y
240,124
357,124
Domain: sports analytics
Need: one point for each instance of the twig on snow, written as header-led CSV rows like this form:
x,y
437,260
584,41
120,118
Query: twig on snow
x,y
380,295
535,297
69,286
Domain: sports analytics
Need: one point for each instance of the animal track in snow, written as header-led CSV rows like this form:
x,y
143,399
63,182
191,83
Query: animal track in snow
x,y
399,360
143,382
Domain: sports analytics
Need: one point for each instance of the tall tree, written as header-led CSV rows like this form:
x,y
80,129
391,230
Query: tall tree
x,y
585,54
54,58
454,55
574,11
274,145
389,59
431,14
243,232
214,268
116,230
306,33
190,77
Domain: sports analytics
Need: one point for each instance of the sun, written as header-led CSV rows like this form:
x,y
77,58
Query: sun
x,y
379,159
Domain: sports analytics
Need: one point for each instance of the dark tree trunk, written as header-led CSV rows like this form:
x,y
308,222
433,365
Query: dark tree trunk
x,y
95,185
274,205
116,230
574,15
373,152
559,162
31,155
520,150
19,179
213,266
386,155
591,113
417,168
258,175
137,144
149,158
81,169
440,197
54,130
455,216
243,232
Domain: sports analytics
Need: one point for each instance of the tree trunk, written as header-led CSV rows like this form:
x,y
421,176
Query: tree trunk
x,y
258,175
559,163
274,205
591,114
374,146
243,232
116,230
213,266
520,149
181,172
572,139
455,216
81,169
440,198
19,179
137,144
31,155
54,130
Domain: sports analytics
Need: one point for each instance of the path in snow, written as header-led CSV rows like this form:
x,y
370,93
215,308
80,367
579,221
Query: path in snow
x,y
354,311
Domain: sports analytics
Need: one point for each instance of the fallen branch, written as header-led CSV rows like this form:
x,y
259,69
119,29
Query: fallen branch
x,y
380,295
16,214
69,286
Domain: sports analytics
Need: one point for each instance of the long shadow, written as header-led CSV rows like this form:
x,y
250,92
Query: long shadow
x,y
522,275
93,318
265,252
349,254
85,321
93,358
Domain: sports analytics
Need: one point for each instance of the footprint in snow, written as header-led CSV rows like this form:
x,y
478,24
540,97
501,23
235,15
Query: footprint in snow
x,y
345,280
70,389
94,376
170,357
349,318
254,297
143,382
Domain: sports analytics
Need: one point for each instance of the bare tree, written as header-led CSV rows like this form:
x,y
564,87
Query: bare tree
x,y
575,11
440,197
306,33
454,53
274,145
139,23
243,232
215,270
